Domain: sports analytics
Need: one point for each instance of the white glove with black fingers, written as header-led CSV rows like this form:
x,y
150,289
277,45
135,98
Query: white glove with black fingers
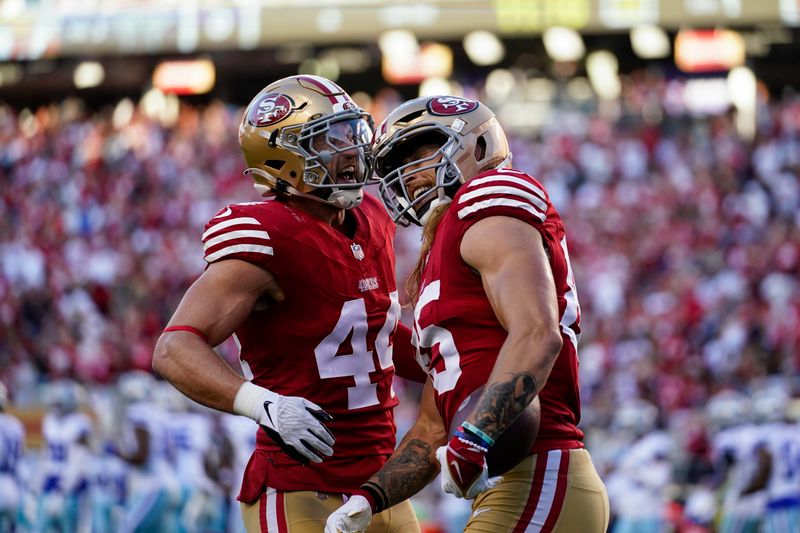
x,y
294,423
352,517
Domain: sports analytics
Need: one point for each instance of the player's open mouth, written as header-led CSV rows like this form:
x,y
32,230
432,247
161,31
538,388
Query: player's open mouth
x,y
346,175
419,192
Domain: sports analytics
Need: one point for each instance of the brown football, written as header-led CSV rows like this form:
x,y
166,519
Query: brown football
x,y
514,444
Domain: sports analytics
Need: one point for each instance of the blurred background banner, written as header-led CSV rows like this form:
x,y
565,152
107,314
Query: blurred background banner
x,y
34,29
111,50
667,133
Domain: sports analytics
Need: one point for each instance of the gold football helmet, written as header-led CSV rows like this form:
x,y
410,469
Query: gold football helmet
x,y
470,141
304,136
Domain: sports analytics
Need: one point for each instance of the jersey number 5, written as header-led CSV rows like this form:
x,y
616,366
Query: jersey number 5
x,y
425,339
358,364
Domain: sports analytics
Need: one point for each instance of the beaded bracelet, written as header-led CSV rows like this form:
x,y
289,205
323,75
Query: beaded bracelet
x,y
486,441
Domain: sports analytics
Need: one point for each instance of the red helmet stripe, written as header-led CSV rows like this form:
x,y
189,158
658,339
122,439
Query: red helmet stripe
x,y
327,91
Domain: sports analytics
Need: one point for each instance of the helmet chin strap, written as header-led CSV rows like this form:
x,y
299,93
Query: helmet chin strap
x,y
505,162
436,202
430,207
441,199
346,199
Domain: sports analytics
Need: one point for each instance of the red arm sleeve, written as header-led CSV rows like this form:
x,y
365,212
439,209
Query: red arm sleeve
x,y
405,363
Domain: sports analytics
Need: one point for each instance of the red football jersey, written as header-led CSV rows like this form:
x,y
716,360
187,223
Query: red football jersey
x,y
456,331
329,341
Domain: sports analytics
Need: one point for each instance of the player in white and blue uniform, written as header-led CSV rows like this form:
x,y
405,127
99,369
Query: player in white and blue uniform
x,y
153,492
62,482
109,471
778,449
781,443
734,453
12,442
189,435
108,490
242,437
637,486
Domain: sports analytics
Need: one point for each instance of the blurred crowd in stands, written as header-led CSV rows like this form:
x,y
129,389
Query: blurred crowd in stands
x,y
685,240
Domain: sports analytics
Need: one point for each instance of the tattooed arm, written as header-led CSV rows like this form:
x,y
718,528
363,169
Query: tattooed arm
x,y
413,464
511,258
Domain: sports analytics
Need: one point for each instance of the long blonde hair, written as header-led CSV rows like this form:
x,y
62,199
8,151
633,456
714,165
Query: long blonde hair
x,y
428,232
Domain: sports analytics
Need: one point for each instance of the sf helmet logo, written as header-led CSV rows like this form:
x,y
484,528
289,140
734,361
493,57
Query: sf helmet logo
x,y
271,108
451,105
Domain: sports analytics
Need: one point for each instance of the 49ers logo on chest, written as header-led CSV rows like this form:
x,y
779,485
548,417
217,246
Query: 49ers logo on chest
x,y
451,105
269,109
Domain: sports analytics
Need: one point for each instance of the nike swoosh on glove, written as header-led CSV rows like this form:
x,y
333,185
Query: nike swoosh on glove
x,y
297,427
294,423
464,470
352,517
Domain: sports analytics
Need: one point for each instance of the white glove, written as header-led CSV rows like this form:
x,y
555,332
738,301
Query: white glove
x,y
476,479
352,517
294,423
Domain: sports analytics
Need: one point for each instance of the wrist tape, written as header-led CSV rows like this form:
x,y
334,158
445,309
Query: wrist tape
x,y
376,496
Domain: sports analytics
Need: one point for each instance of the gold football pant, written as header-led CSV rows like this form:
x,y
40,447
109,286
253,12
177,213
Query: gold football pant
x,y
306,512
556,491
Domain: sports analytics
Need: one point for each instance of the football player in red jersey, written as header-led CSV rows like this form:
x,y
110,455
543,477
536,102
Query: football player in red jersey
x,y
495,307
306,284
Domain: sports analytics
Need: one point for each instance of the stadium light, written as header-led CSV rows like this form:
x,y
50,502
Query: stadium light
x,y
434,86
602,68
706,96
484,48
330,20
399,56
160,106
11,9
563,44
499,84
195,76
742,89
152,103
405,61
397,43
436,60
650,41
709,50
123,113
88,74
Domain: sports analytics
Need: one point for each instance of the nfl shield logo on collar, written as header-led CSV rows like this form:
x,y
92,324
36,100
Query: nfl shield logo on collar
x,y
358,253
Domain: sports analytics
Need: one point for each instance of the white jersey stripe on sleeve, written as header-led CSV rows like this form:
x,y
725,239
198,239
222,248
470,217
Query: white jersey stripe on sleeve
x,y
233,235
513,179
503,189
239,221
507,202
236,248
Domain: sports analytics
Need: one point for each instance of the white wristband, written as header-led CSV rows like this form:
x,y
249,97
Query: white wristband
x,y
249,400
